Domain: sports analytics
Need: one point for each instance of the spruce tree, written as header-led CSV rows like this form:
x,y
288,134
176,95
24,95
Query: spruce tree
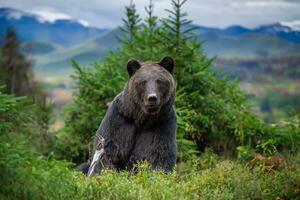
x,y
212,111
131,23
15,69
17,77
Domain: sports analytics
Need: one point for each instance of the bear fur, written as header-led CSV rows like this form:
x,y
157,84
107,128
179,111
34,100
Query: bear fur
x,y
140,124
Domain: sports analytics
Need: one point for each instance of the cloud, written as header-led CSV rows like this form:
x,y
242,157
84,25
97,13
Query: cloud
x,y
268,4
219,13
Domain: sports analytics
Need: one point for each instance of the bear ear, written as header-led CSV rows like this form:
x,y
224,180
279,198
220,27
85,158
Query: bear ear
x,y
133,66
168,63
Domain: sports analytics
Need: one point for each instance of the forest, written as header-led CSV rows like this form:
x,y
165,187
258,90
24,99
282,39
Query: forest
x,y
225,150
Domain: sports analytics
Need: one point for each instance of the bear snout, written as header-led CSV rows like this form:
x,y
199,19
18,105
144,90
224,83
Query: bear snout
x,y
152,104
152,99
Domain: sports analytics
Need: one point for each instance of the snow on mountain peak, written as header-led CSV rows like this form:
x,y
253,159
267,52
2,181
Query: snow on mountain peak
x,y
11,13
50,16
43,16
294,25
84,23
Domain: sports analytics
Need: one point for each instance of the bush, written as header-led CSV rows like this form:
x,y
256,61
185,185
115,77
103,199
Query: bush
x,y
26,174
49,179
212,111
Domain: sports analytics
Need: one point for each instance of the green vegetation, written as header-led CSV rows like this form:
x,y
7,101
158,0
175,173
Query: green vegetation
x,y
272,84
25,174
211,111
15,69
225,151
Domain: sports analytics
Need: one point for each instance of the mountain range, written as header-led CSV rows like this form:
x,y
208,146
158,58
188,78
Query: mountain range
x,y
32,27
52,44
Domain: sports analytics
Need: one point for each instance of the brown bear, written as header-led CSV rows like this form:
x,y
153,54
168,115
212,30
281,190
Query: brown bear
x,y
140,124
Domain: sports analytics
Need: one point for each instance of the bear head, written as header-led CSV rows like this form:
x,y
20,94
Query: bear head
x,y
151,85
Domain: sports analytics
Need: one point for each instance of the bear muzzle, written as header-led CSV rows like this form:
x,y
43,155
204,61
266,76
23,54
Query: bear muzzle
x,y
152,105
152,99
152,110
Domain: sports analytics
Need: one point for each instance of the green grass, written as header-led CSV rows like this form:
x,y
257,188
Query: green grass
x,y
227,180
207,177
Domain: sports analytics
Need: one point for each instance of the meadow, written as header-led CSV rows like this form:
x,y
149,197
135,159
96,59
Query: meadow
x,y
225,149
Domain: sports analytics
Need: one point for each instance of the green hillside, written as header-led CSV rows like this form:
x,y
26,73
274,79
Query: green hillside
x,y
224,149
87,53
247,45
250,45
38,48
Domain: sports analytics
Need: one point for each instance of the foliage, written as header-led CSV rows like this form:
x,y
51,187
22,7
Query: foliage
x,y
131,24
15,69
288,104
10,116
26,175
212,111
287,135
96,88
207,177
16,73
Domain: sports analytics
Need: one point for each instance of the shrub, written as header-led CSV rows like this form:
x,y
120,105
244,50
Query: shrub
x,y
25,174
212,111
48,179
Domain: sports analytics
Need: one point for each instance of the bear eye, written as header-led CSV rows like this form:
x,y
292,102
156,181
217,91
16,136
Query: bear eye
x,y
160,81
142,82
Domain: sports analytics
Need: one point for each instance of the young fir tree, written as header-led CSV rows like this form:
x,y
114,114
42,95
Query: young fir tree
x,y
15,69
17,76
211,110
131,23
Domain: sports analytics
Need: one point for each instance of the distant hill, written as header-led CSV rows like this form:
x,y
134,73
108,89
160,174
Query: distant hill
x,y
38,48
247,45
52,45
279,30
86,53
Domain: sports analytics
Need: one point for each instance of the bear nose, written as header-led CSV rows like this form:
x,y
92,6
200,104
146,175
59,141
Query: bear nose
x,y
152,98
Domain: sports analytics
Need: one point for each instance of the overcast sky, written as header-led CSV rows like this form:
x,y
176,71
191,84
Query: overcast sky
x,y
218,13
